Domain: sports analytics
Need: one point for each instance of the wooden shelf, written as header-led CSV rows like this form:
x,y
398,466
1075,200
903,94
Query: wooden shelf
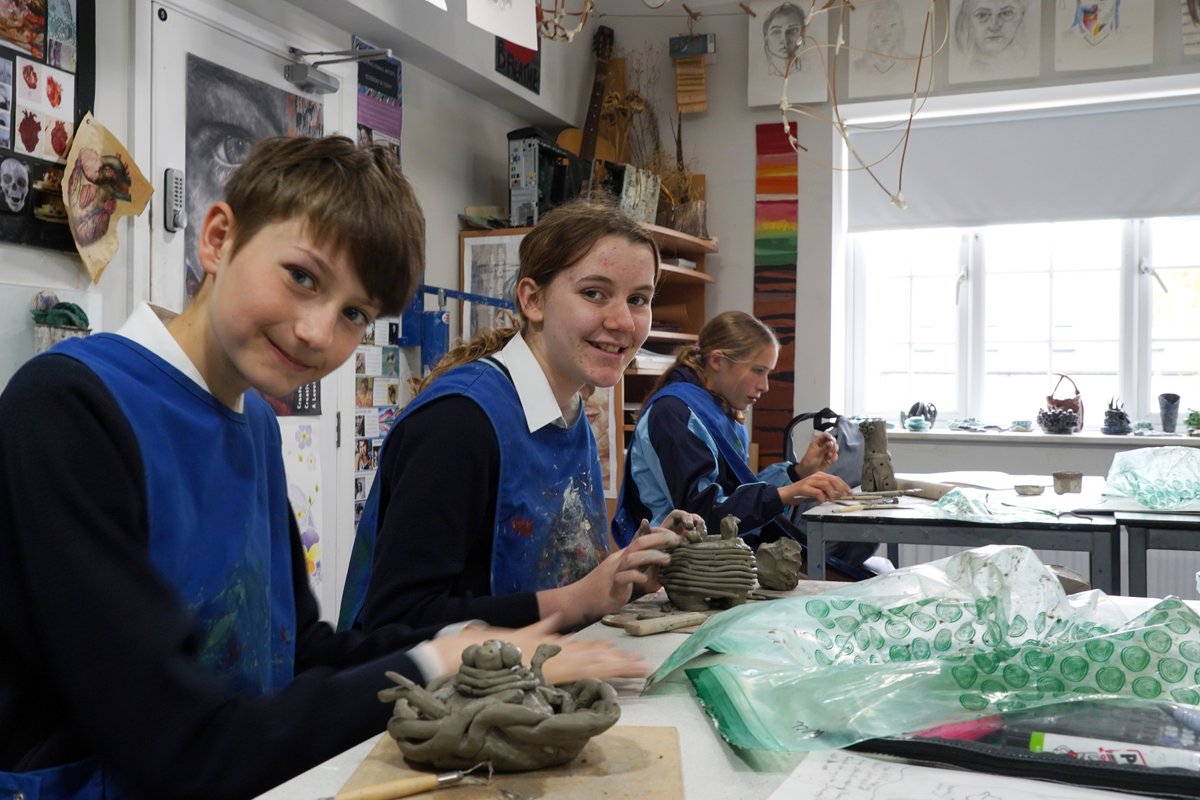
x,y
683,274
671,336
680,244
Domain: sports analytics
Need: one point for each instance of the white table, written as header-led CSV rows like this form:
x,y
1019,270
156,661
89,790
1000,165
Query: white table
x,y
712,770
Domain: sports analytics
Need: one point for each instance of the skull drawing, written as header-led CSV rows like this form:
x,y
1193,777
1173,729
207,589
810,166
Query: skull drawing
x,y
14,183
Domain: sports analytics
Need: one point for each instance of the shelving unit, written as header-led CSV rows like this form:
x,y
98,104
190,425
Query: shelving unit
x,y
679,301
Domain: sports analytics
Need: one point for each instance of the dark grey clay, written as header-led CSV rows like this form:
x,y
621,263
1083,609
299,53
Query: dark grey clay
x,y
709,571
498,711
778,564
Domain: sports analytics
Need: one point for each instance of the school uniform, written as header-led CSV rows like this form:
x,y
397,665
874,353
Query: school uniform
x,y
687,452
159,635
485,496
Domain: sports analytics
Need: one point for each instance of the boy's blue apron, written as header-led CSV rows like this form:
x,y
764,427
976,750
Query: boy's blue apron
x,y
219,531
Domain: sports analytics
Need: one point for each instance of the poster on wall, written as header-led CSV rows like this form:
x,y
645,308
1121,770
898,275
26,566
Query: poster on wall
x,y
380,100
778,31
994,41
1100,35
886,38
598,405
490,263
519,64
301,457
228,112
47,84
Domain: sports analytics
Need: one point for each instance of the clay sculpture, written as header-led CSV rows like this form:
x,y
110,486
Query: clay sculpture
x,y
709,571
1116,421
496,710
1058,420
877,473
778,564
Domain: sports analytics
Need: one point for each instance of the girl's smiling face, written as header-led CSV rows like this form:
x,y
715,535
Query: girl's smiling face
x,y
586,325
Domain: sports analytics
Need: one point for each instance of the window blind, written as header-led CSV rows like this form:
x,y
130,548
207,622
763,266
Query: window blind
x,y
1120,160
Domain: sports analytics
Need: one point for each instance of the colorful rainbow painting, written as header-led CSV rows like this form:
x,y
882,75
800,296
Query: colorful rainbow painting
x,y
775,207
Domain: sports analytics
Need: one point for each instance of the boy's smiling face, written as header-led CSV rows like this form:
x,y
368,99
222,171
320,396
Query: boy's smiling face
x,y
282,312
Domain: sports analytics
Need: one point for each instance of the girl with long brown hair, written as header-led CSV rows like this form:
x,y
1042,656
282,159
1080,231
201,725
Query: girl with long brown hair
x,y
488,503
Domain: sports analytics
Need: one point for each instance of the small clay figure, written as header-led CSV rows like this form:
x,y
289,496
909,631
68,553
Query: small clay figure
x,y
778,564
877,473
709,571
926,410
496,710
1116,421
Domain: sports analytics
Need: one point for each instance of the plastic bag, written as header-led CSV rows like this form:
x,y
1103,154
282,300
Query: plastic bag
x,y
1157,477
984,631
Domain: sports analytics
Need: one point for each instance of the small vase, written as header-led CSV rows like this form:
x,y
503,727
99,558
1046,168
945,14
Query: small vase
x,y
1168,407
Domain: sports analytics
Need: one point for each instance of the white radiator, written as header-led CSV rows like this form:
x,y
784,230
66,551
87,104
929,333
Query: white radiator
x,y
1171,572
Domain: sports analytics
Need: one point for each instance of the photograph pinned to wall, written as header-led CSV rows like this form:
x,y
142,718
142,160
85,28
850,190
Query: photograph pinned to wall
x,y
22,27
598,405
1190,26
994,40
777,32
47,84
301,459
61,35
1099,34
45,98
490,263
380,100
6,103
885,48
515,20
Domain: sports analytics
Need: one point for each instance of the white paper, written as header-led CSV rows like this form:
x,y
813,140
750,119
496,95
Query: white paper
x,y
386,392
368,360
994,41
439,3
767,60
302,465
514,20
1106,39
838,775
885,45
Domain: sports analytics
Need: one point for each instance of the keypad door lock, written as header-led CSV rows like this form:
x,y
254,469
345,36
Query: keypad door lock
x,y
174,212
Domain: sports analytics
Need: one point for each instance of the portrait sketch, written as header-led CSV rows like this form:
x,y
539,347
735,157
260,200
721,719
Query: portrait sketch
x,y
885,45
489,268
994,40
1189,26
1099,34
779,31
228,112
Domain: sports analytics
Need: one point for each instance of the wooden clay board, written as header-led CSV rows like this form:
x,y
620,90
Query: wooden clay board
x,y
623,762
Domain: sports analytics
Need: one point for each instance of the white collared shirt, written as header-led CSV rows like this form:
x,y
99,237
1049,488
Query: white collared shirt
x,y
533,388
145,328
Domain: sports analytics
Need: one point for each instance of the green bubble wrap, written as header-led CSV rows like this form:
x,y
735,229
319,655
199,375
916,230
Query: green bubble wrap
x,y
1157,477
984,631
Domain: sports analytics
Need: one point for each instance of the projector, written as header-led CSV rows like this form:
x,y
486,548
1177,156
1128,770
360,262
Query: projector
x,y
310,79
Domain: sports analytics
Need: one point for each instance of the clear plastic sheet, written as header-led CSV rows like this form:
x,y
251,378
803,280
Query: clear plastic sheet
x,y
984,631
1157,477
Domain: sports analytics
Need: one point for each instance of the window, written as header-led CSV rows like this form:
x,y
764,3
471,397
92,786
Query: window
x,y
979,320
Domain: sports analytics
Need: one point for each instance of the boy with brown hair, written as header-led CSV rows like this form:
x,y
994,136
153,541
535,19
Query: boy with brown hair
x,y
159,637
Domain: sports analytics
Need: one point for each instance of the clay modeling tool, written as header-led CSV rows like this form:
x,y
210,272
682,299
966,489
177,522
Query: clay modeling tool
x,y
645,627
406,787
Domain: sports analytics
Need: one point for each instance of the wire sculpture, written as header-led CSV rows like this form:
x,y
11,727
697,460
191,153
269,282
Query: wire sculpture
x,y
550,19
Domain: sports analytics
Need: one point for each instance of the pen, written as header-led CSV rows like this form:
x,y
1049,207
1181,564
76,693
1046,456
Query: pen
x,y
1126,753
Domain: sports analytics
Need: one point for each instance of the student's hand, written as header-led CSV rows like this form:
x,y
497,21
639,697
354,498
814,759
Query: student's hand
x,y
822,451
579,658
610,585
820,485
